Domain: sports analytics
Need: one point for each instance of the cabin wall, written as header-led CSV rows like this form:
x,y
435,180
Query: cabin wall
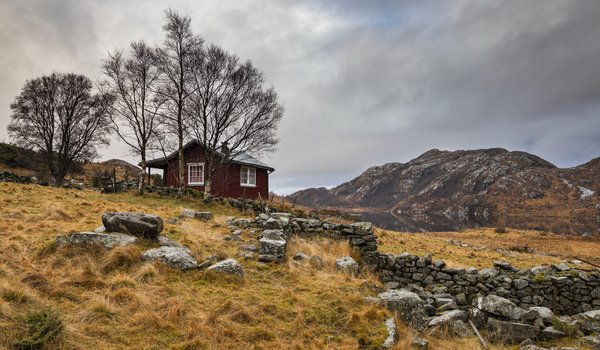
x,y
226,181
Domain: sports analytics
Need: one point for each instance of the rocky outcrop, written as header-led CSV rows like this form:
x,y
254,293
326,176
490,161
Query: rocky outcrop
x,y
176,257
228,267
139,224
106,240
272,246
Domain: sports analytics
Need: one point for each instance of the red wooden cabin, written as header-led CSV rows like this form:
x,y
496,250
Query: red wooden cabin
x,y
242,177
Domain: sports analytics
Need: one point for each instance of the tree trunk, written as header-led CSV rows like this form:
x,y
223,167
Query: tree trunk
x,y
181,168
142,184
207,185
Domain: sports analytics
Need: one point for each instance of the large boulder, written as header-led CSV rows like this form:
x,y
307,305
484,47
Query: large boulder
x,y
407,305
507,332
177,257
227,266
106,240
347,264
139,224
496,305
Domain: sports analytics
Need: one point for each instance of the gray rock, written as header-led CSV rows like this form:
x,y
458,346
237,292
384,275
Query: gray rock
x,y
448,317
545,313
504,265
510,332
550,333
201,215
267,258
391,285
478,317
392,338
227,266
167,242
275,247
407,306
531,347
249,248
138,224
460,329
588,322
106,240
419,343
496,305
100,229
488,273
592,341
177,257
173,221
301,257
347,264
520,283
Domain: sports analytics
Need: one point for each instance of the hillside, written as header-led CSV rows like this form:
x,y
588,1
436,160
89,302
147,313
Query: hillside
x,y
26,162
451,190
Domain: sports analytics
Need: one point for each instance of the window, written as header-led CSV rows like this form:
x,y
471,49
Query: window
x,y
196,174
248,177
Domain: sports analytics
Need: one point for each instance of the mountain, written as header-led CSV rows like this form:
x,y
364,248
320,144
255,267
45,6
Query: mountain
x,y
451,190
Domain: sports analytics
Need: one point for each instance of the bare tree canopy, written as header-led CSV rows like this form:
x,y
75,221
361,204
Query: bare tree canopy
x,y
175,61
135,113
230,106
59,116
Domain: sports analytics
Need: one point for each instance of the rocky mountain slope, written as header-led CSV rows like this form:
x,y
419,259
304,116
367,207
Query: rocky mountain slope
x,y
449,190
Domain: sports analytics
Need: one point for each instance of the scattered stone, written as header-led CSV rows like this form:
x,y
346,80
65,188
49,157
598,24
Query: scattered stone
x,y
392,337
267,258
506,332
301,257
177,257
249,248
347,264
167,242
419,343
139,224
100,229
201,215
173,221
228,266
496,305
407,306
106,240
272,244
592,340
504,265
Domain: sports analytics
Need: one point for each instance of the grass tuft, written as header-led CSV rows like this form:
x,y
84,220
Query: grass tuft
x,y
38,329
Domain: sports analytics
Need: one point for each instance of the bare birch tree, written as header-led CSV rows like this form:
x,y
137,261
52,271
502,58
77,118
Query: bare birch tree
x,y
230,106
59,116
133,81
175,61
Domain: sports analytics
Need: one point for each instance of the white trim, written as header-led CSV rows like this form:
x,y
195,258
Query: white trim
x,y
188,174
247,169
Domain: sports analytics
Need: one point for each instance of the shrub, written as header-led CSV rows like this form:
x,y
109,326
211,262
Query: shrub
x,y
40,328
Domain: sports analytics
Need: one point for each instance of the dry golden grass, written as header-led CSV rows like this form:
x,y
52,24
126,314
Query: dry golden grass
x,y
485,245
112,300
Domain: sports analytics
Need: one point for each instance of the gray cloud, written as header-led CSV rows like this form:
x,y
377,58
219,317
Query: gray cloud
x,y
363,83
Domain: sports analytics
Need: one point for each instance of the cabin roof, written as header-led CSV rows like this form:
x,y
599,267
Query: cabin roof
x,y
241,158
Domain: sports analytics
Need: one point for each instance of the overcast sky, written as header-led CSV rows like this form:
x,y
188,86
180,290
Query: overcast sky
x,y
363,82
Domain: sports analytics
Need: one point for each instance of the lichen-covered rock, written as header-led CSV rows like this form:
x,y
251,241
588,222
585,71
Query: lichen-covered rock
x,y
588,322
593,341
176,257
229,267
407,306
419,343
139,224
496,305
347,264
392,338
506,332
106,240
273,245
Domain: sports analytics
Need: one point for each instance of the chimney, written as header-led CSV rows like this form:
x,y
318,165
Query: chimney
x,y
225,147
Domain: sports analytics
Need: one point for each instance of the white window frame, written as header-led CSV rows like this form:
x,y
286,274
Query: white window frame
x,y
247,169
189,173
